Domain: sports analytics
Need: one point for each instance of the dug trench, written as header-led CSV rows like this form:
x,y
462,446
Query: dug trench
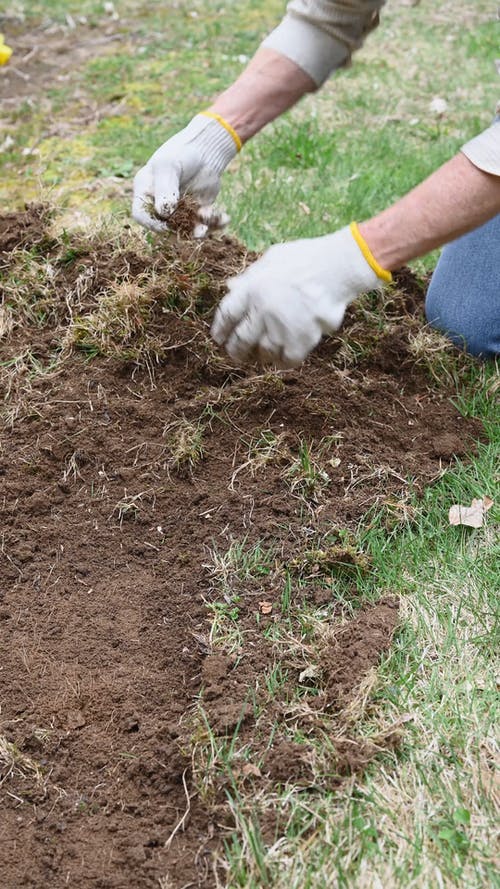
x,y
134,458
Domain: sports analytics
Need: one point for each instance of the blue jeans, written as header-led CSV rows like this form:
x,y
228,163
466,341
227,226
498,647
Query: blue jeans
x,y
463,299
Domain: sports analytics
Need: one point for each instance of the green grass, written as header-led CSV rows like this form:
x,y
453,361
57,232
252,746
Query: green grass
x,y
345,152
426,815
423,816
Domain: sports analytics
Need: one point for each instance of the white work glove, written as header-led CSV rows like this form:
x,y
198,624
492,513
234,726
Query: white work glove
x,y
191,162
282,305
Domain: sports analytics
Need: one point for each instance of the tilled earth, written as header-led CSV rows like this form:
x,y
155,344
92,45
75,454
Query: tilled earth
x,y
107,566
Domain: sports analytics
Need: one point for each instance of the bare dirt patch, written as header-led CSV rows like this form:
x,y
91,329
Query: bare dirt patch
x,y
22,229
131,452
48,55
355,649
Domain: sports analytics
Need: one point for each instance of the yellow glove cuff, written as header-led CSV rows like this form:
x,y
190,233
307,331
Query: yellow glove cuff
x,y
381,273
227,126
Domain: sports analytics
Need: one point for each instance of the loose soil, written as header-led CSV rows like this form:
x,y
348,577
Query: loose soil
x,y
109,526
26,229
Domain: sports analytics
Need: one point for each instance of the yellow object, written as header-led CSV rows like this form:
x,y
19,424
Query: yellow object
x,y
5,51
227,126
367,253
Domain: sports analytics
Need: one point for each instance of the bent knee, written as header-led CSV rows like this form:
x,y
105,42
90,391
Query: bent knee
x,y
465,323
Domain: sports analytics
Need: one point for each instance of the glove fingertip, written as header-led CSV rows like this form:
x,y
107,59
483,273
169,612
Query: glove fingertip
x,y
230,313
217,330
200,230
288,362
235,283
299,346
165,205
141,215
215,219
235,348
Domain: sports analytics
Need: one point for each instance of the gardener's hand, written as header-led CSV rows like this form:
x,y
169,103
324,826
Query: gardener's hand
x,y
191,162
281,306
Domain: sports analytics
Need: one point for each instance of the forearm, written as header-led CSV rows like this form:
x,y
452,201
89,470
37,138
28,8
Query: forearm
x,y
269,85
455,199
314,38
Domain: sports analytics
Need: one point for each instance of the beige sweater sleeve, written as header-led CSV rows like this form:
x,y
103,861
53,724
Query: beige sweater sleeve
x,y
320,35
484,150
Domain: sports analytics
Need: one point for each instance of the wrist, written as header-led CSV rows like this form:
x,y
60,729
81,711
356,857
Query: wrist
x,y
381,270
269,85
241,115
381,243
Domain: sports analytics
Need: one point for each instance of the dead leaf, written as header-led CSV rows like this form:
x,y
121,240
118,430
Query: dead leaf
x,y
250,770
473,515
265,607
438,106
310,672
305,209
